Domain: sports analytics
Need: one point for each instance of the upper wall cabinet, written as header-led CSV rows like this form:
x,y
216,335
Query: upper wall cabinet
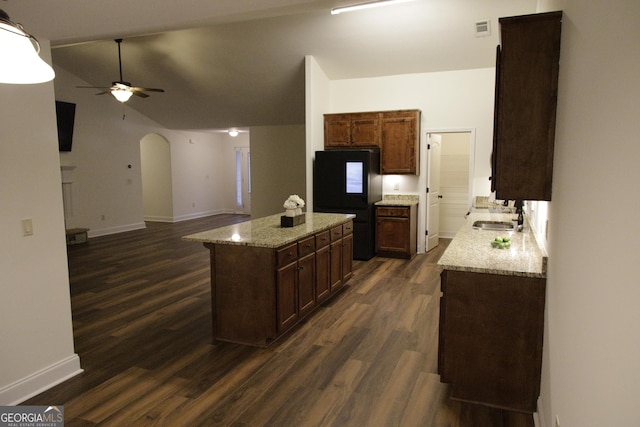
x,y
396,133
525,106
352,130
399,150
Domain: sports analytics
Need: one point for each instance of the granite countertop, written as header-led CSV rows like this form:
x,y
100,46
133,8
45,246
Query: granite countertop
x,y
398,200
266,232
471,250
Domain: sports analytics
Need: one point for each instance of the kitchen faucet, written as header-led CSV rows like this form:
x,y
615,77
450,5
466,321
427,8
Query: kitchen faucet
x,y
520,211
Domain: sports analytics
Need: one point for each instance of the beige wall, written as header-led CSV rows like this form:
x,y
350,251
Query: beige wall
x,y
591,373
278,167
36,340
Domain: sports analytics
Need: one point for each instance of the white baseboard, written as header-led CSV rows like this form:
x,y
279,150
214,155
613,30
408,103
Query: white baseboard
x,y
36,383
153,218
538,417
197,215
114,230
446,235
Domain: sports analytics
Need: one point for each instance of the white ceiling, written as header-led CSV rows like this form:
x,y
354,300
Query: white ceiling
x,y
232,63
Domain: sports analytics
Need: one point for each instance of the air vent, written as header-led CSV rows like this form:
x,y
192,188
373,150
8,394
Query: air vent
x,y
483,28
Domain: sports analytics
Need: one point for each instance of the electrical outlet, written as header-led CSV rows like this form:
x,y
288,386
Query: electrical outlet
x,y
557,421
27,227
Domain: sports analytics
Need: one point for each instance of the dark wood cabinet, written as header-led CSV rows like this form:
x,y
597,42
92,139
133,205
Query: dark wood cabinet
x,y
336,250
352,130
287,304
259,293
396,231
286,283
399,149
323,266
490,338
306,283
527,66
396,133
347,257
306,275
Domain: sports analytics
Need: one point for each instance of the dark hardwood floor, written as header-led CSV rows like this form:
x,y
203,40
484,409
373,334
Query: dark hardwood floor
x,y
142,328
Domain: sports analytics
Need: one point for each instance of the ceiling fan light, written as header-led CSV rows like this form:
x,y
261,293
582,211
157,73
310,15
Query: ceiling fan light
x,y
121,95
21,63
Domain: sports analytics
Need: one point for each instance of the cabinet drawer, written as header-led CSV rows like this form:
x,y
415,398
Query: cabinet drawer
x,y
287,255
395,212
323,239
336,233
347,228
307,246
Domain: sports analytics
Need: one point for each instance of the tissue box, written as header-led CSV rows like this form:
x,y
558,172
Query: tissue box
x,y
291,221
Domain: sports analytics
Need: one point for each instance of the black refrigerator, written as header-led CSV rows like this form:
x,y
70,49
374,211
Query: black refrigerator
x,y
349,181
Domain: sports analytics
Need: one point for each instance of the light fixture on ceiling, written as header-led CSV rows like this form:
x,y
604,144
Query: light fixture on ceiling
x,y
365,5
233,132
122,94
19,50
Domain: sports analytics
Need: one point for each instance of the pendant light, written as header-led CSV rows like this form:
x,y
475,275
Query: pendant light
x,y
19,51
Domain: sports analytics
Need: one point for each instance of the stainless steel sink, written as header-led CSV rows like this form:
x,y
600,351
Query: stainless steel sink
x,y
493,225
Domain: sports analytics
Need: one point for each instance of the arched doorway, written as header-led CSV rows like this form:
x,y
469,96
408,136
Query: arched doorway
x,y
157,195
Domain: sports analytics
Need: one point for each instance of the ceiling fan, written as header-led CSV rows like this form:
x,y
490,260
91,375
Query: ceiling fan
x,y
120,89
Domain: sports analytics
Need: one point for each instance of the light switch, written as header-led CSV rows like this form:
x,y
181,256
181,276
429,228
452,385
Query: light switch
x,y
27,227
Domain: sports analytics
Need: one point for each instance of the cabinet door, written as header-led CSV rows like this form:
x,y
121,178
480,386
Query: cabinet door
x,y
365,129
392,235
287,298
337,130
306,283
525,107
399,146
323,273
347,257
336,265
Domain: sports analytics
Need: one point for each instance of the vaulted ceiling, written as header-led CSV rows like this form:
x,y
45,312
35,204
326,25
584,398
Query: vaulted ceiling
x,y
240,63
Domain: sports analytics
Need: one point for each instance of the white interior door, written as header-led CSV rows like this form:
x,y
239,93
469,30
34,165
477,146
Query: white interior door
x,y
434,148
454,181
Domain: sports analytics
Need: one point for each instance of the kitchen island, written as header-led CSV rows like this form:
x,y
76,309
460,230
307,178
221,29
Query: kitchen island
x,y
266,278
492,316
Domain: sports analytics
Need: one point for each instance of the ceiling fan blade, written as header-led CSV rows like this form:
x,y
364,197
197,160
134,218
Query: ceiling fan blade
x,y
121,85
147,89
